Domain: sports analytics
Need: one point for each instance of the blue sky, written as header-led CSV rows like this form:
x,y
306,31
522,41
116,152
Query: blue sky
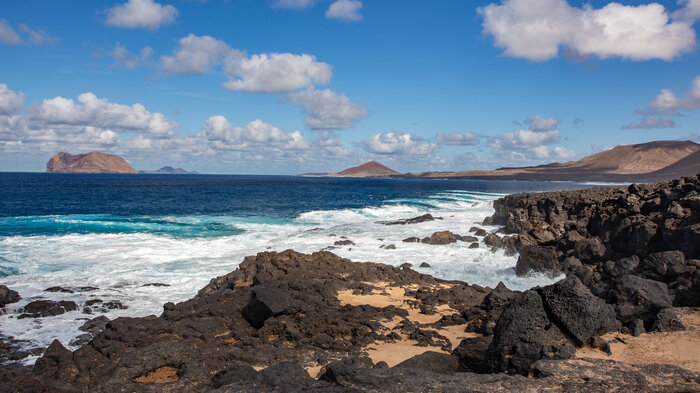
x,y
290,86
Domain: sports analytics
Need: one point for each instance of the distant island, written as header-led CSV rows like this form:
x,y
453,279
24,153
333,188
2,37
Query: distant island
x,y
168,170
95,162
645,162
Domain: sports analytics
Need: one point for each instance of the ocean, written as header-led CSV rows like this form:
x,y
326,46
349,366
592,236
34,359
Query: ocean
x,y
119,234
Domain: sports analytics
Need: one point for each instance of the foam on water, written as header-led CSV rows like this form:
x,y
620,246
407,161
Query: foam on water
x,y
185,252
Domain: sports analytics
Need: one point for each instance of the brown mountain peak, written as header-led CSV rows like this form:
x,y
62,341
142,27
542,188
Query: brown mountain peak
x,y
369,169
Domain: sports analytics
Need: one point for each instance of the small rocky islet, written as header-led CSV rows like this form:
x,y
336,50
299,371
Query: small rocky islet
x,y
287,321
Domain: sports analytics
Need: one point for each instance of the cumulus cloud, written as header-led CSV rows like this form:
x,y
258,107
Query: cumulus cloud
x,y
294,4
346,10
198,55
667,101
563,154
141,14
466,139
277,73
399,143
690,11
651,122
538,29
91,111
325,109
10,102
123,58
260,73
539,123
222,135
527,139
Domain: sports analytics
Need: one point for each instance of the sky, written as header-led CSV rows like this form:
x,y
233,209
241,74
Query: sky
x,y
294,86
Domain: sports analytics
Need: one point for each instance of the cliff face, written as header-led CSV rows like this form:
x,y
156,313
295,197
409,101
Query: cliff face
x,y
93,162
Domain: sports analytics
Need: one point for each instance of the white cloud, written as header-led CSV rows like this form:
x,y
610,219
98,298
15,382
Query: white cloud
x,y
538,29
127,60
326,109
198,55
651,122
563,154
539,123
91,111
8,35
466,139
526,139
277,73
668,102
295,4
261,73
10,102
690,11
38,37
141,14
224,136
345,9
399,143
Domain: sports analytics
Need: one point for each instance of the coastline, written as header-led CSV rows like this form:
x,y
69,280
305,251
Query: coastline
x,y
348,323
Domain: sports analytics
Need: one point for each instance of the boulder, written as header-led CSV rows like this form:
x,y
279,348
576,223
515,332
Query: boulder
x,y
47,308
234,374
523,335
471,352
478,231
664,266
538,260
636,297
576,311
435,362
589,250
266,301
414,220
8,296
442,237
411,239
474,245
668,320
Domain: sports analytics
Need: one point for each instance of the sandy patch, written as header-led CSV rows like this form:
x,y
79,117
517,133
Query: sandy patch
x,y
680,349
386,295
165,374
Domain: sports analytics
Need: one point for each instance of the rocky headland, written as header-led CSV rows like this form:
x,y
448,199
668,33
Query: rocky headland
x,y
623,317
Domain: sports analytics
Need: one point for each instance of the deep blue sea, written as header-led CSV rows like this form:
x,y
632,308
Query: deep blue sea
x,y
119,233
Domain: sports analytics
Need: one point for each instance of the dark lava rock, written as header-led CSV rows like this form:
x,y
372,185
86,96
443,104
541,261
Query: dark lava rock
x,y
388,247
266,301
478,231
539,260
435,362
442,237
492,240
589,250
414,220
155,284
412,239
664,266
523,335
47,308
636,297
239,373
424,264
668,320
344,243
8,296
574,309
59,289
474,245
469,239
471,351
95,325
405,265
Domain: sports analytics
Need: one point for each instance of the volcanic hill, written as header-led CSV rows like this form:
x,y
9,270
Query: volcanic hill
x,y
93,162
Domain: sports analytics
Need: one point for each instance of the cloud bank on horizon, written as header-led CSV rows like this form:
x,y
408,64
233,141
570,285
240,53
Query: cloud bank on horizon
x,y
288,86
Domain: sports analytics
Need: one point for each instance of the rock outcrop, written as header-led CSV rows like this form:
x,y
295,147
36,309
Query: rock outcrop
x,y
93,162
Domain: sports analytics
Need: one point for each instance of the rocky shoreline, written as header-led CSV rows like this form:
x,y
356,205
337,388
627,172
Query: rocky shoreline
x,y
316,322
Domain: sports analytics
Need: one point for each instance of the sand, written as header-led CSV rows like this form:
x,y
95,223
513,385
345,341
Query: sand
x,y
680,349
387,295
164,374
